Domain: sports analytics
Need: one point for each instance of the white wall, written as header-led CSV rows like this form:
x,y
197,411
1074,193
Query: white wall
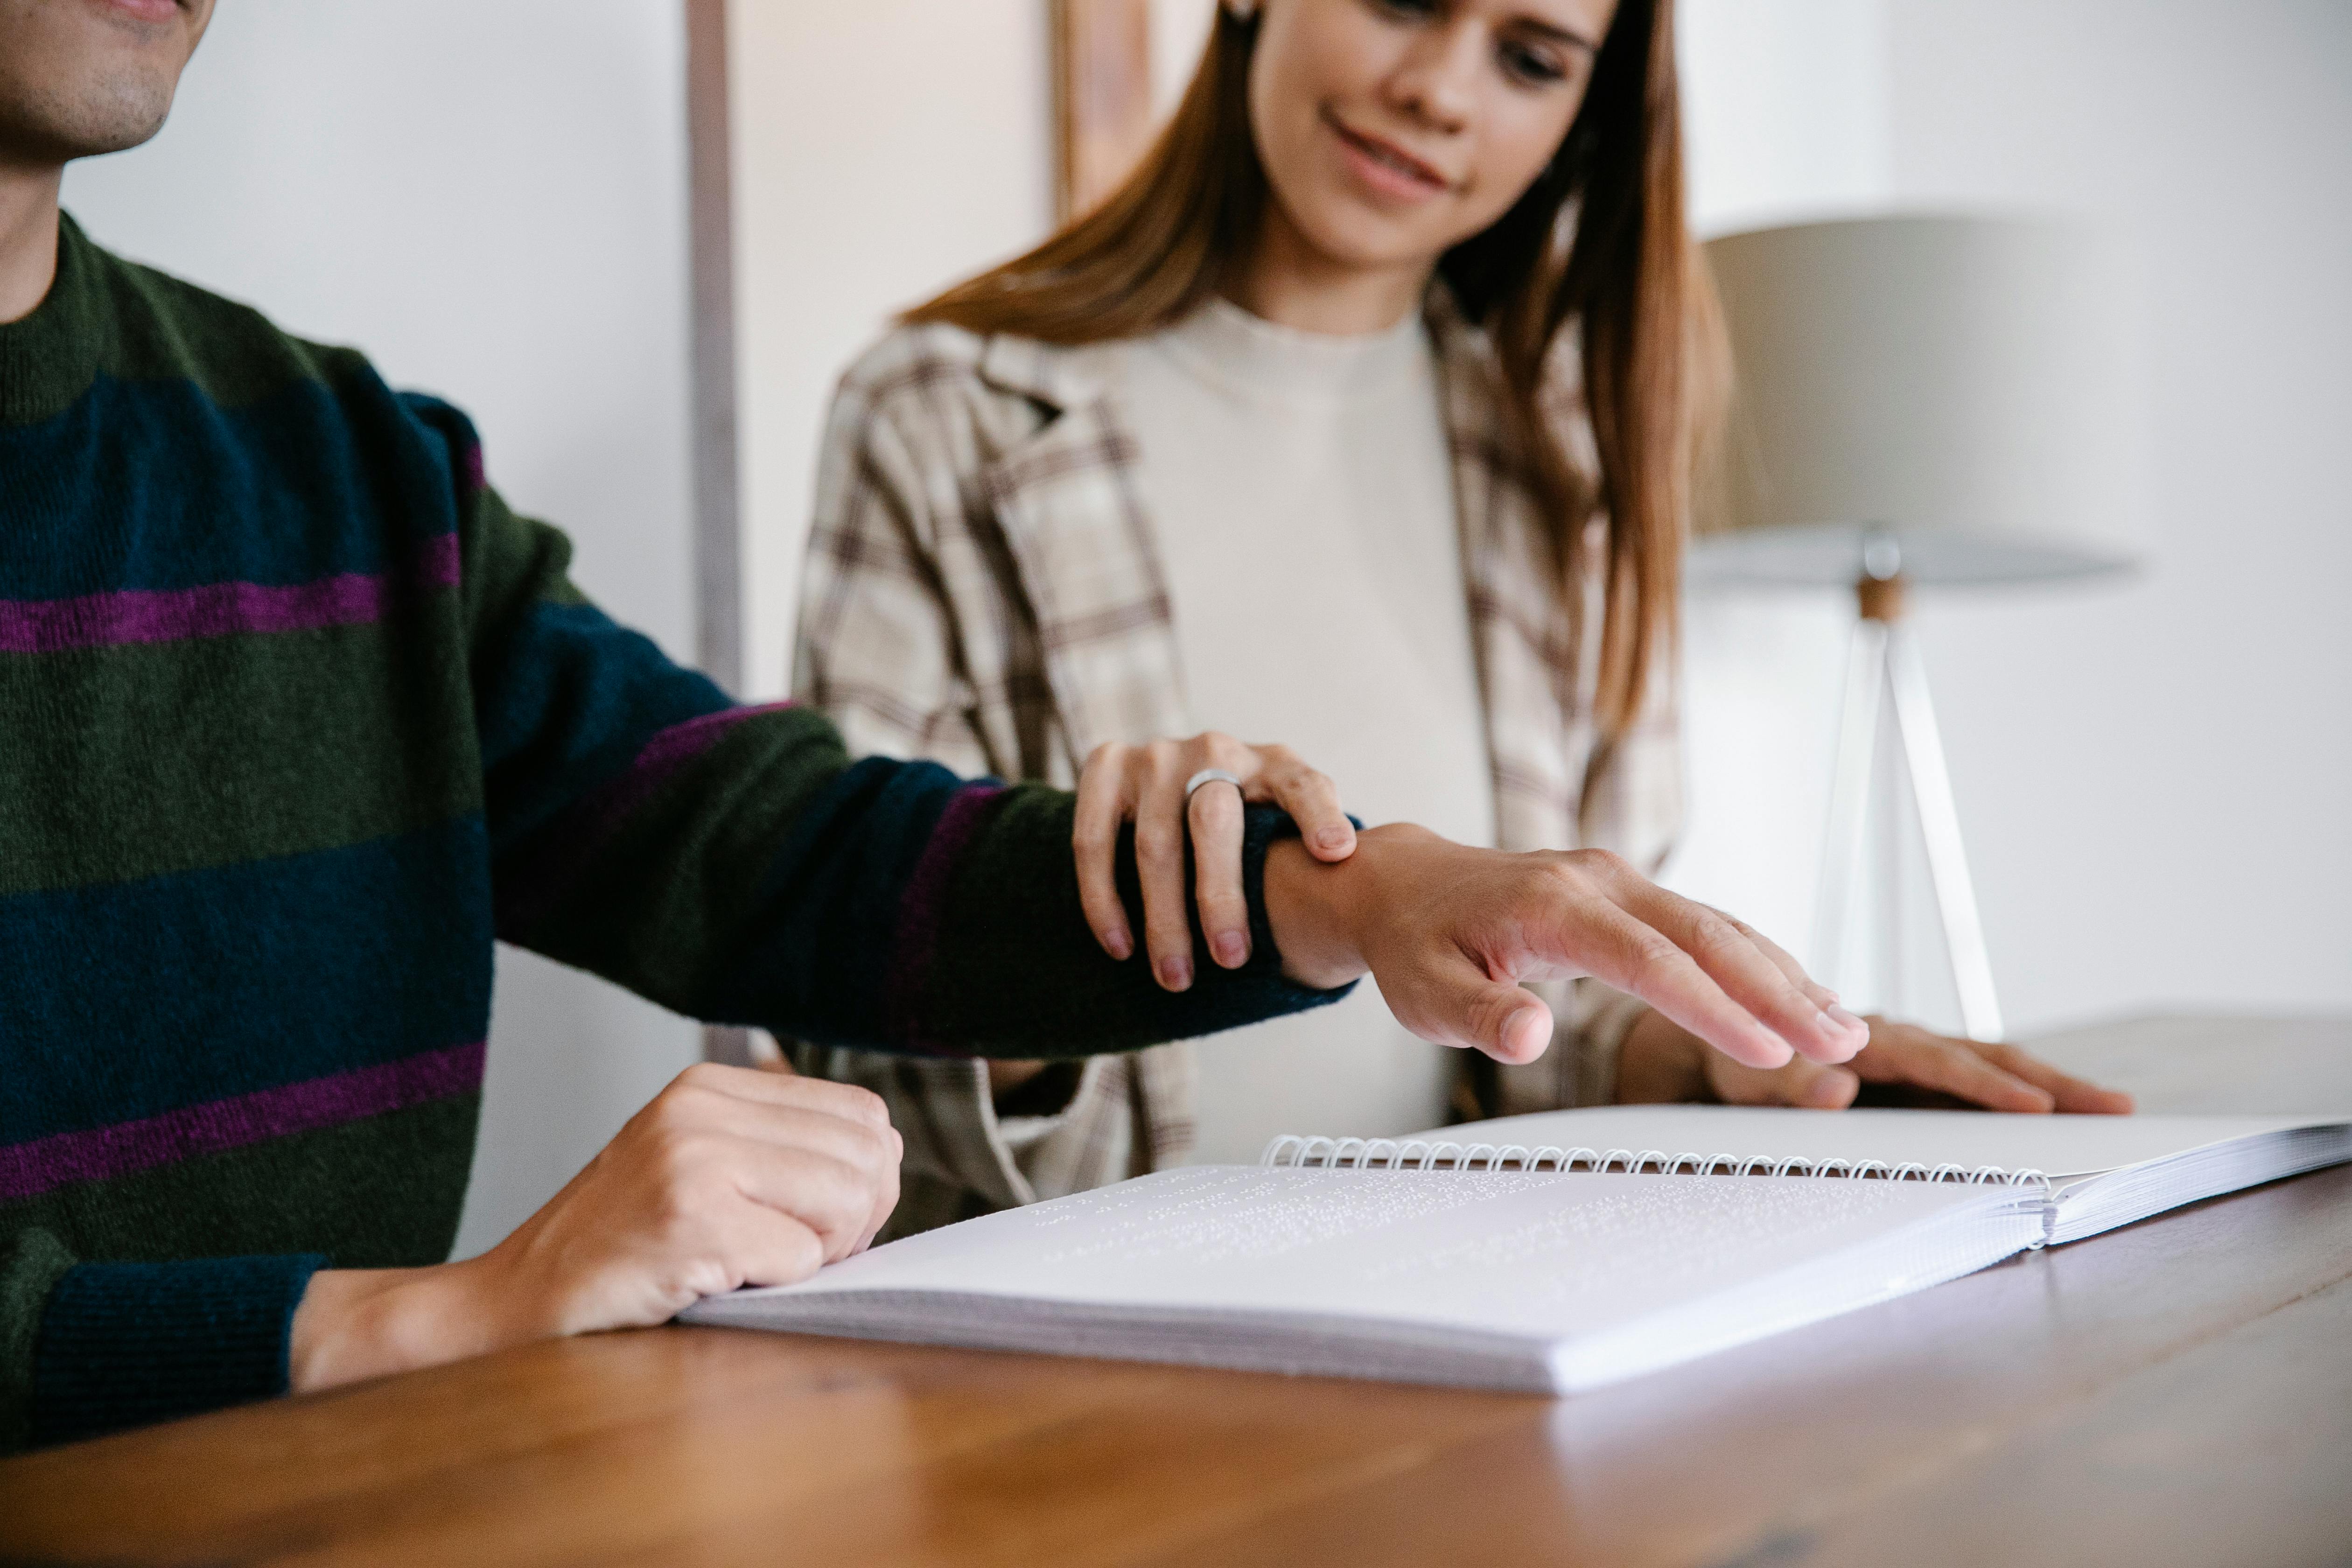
x,y
2163,767
490,201
884,150
1786,109
2150,772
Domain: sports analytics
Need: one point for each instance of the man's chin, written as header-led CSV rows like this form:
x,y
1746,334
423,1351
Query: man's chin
x,y
78,80
112,116
36,144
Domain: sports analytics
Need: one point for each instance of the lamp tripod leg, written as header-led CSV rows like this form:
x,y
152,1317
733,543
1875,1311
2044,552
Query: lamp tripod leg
x,y
1849,796
1939,826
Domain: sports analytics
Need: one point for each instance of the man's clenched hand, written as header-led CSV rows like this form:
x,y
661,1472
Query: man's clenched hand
x,y
730,1178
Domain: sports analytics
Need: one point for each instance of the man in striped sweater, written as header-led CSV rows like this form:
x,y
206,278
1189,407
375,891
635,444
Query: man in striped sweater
x,y
296,717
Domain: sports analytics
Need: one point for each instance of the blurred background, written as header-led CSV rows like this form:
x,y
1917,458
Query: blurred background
x,y
493,201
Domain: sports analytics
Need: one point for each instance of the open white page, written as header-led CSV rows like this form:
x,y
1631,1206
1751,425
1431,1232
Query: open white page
x,y
1580,1277
2058,1146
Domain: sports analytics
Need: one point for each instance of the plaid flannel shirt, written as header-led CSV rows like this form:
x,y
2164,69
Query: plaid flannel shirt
x,y
982,587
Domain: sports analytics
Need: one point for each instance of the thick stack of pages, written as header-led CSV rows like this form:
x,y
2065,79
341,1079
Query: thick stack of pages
x,y
1454,1262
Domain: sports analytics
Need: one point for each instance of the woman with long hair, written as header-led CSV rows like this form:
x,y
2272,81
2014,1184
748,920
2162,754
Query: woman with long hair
x,y
1365,413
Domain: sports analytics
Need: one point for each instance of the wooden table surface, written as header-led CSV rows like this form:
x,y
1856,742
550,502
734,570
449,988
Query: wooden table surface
x,y
2178,1392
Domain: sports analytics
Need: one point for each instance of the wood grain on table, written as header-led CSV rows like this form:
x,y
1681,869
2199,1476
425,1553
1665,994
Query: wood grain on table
x,y
2177,1392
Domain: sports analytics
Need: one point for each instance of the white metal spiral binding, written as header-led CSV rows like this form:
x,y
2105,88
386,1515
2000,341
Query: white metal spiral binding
x,y
1293,1151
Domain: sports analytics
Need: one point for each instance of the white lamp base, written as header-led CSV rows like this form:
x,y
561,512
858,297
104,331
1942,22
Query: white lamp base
x,y
1884,656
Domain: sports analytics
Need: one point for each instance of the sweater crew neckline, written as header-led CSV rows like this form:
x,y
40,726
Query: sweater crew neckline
x,y
1250,356
49,357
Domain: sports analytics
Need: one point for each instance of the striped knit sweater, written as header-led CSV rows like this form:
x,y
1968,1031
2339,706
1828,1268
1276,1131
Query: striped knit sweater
x,y
295,717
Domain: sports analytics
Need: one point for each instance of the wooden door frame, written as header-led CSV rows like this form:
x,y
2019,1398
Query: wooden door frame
x,y
717,483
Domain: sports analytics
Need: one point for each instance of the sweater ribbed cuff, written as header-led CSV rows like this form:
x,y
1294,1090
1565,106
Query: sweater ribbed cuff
x,y
124,1344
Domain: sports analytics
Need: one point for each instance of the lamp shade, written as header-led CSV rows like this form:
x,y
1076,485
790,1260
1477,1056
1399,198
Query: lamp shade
x,y
1953,387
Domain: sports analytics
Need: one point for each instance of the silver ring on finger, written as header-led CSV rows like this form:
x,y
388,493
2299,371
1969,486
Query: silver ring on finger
x,y
1210,776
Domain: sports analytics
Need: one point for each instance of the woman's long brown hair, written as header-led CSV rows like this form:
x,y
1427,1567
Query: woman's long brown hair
x,y
1597,240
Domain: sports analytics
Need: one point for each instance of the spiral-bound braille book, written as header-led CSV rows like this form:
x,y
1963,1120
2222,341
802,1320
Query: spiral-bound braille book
x,y
1548,1253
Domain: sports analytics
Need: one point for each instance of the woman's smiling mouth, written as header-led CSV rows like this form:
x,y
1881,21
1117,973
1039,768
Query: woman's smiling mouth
x,y
1388,170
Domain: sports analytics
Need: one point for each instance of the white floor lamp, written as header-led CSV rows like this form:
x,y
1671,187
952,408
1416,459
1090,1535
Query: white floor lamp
x,y
1922,401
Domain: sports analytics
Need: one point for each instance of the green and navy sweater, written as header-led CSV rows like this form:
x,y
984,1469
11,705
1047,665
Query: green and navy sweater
x,y
295,717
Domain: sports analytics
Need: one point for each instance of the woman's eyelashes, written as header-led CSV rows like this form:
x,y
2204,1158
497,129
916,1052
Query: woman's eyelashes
x,y
1529,64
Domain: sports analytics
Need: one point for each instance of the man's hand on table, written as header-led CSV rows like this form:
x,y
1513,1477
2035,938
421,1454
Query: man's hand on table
x,y
730,1176
1662,1061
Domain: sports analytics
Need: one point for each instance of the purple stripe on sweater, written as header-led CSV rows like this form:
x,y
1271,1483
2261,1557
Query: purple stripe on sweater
x,y
664,757
532,888
219,609
923,907
99,1152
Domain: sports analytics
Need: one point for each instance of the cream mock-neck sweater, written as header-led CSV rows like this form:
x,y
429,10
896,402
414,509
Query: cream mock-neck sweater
x,y
1301,494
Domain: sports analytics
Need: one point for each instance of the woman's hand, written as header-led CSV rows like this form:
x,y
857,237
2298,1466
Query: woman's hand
x,y
1146,785
730,1176
1449,932
1660,1061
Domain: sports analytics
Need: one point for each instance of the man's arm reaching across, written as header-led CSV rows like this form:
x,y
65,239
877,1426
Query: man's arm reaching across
x,y
734,1177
